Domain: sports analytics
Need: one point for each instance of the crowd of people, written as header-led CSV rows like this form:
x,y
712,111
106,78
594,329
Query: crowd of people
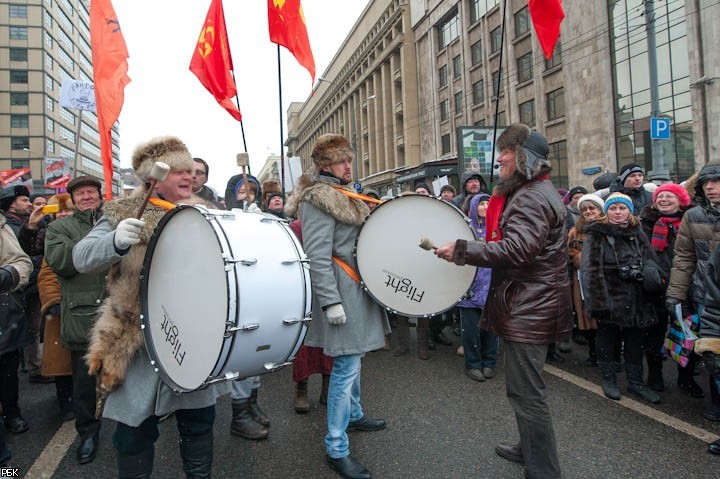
x,y
608,270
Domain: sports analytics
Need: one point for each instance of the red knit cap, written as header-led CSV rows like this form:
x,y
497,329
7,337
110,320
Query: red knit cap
x,y
675,189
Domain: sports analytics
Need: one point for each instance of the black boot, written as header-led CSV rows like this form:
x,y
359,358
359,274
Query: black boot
x,y
197,456
257,413
712,412
636,386
655,377
609,380
135,466
686,382
244,425
592,352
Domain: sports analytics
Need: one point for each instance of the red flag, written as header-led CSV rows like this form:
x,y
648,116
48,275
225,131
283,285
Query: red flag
x,y
109,57
286,23
546,17
211,61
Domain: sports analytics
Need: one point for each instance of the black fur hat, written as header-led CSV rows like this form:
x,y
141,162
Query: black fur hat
x,y
531,149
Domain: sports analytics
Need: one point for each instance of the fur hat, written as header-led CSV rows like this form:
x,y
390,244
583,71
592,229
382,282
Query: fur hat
x,y
330,148
618,198
9,194
167,149
592,198
676,190
531,149
63,200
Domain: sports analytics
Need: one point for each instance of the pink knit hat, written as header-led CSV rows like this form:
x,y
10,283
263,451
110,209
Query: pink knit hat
x,y
675,189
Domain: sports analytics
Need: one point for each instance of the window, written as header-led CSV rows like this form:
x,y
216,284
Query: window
x,y
443,76
18,76
67,134
527,113
496,79
457,67
556,59
478,92
501,118
19,163
48,19
50,146
19,121
18,98
50,124
49,63
18,54
476,53
478,8
495,40
67,60
18,33
558,159
445,143
448,31
458,103
49,83
19,142
522,22
49,104
444,110
48,40
555,104
18,11
525,68
67,115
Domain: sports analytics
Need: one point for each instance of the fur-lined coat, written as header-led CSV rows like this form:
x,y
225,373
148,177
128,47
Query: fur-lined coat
x,y
330,223
116,351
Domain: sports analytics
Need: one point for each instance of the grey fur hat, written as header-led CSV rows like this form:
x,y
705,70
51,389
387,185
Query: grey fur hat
x,y
167,149
531,149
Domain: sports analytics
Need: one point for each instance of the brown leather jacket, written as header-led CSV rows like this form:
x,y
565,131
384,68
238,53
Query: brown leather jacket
x,y
529,300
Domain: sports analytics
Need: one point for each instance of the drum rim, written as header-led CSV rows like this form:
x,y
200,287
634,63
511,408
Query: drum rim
x,y
364,285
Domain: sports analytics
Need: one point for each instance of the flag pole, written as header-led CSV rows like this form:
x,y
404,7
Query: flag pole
x,y
497,93
282,151
242,128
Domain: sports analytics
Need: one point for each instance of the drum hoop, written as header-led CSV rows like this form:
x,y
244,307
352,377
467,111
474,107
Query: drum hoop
x,y
364,285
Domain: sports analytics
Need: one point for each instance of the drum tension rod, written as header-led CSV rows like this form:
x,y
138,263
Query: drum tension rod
x,y
230,328
293,261
244,262
272,367
297,320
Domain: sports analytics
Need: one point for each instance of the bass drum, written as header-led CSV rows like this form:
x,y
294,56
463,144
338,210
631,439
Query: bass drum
x,y
400,275
224,295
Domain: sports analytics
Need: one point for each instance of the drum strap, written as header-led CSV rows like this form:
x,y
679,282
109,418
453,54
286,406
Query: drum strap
x,y
162,203
357,196
347,268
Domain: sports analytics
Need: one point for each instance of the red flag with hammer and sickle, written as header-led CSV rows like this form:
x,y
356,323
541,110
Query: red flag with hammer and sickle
x,y
211,61
109,58
286,22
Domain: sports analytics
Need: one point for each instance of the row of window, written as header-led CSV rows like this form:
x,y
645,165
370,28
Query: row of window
x,y
554,101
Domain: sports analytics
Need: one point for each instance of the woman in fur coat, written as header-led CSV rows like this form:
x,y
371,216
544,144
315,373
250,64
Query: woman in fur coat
x,y
613,256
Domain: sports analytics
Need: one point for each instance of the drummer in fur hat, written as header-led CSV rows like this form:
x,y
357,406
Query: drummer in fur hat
x,y
137,397
347,323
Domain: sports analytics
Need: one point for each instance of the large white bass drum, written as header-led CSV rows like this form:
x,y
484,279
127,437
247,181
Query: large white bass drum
x,y
224,295
400,275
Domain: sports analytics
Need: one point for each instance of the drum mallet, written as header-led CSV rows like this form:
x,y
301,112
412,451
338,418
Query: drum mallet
x,y
426,243
158,173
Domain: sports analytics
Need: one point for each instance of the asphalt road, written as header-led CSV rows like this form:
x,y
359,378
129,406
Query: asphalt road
x,y
440,425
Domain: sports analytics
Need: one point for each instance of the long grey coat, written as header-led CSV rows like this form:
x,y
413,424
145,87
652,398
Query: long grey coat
x,y
330,223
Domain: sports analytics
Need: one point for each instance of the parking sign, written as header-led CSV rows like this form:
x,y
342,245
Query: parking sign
x,y
660,128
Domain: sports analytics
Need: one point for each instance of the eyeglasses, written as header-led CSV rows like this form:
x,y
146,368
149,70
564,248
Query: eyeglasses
x,y
199,173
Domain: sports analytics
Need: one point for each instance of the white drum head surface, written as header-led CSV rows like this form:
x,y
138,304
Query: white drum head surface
x,y
184,299
399,274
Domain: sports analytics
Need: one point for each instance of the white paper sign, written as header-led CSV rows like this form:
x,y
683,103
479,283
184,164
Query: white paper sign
x,y
293,170
439,183
77,94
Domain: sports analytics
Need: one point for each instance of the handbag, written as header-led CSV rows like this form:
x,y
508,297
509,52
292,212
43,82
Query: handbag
x,y
681,336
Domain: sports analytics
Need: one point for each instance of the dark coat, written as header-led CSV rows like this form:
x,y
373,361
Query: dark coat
x,y
609,297
648,217
710,318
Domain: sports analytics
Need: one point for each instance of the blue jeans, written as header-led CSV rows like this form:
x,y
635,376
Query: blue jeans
x,y
480,346
343,403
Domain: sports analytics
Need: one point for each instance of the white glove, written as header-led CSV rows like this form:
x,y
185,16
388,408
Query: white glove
x,y
253,208
127,233
336,314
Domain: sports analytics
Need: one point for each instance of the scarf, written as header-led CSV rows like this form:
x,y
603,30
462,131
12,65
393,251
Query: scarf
x,y
492,218
661,230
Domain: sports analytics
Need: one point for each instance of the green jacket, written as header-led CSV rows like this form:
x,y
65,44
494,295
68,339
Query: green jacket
x,y
82,294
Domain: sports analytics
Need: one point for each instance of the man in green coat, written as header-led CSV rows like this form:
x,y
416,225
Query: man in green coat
x,y
82,294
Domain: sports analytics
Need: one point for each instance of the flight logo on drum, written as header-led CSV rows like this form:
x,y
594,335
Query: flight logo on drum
x,y
404,286
172,333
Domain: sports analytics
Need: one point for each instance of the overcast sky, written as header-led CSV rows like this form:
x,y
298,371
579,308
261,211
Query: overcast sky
x,y
165,98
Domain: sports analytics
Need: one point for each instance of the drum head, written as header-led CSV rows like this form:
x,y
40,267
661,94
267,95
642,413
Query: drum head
x,y
399,274
184,298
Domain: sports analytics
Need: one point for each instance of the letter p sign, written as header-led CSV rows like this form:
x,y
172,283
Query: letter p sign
x,y
660,128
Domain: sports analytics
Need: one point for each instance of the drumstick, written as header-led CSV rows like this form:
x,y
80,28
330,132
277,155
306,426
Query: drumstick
x,y
159,172
426,243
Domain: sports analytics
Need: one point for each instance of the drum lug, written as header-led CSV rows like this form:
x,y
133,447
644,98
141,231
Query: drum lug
x,y
221,379
293,261
297,320
230,328
272,367
230,262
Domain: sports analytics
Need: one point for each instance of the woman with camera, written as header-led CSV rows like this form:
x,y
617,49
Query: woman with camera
x,y
615,253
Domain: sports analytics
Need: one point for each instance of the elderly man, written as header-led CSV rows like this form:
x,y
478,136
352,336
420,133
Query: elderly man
x,y
529,301
347,323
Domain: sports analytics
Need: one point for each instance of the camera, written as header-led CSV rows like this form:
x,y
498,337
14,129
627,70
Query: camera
x,y
631,273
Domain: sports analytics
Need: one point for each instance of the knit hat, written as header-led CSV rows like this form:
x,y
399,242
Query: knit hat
x,y
76,183
575,191
167,149
618,198
676,190
628,170
273,195
423,185
592,198
63,200
330,148
448,188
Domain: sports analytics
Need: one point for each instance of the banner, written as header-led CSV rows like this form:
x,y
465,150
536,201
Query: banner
x,y
57,173
16,177
77,94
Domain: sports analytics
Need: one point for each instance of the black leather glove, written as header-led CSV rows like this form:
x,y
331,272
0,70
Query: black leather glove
x,y
712,364
670,304
9,278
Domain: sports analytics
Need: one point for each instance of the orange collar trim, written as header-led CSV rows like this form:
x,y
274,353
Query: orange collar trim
x,y
357,196
162,203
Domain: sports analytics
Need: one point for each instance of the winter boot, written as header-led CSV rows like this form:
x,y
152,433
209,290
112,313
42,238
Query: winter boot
x,y
686,382
634,374
592,352
609,380
423,332
244,425
324,389
197,455
403,336
655,377
302,405
712,412
136,466
257,413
